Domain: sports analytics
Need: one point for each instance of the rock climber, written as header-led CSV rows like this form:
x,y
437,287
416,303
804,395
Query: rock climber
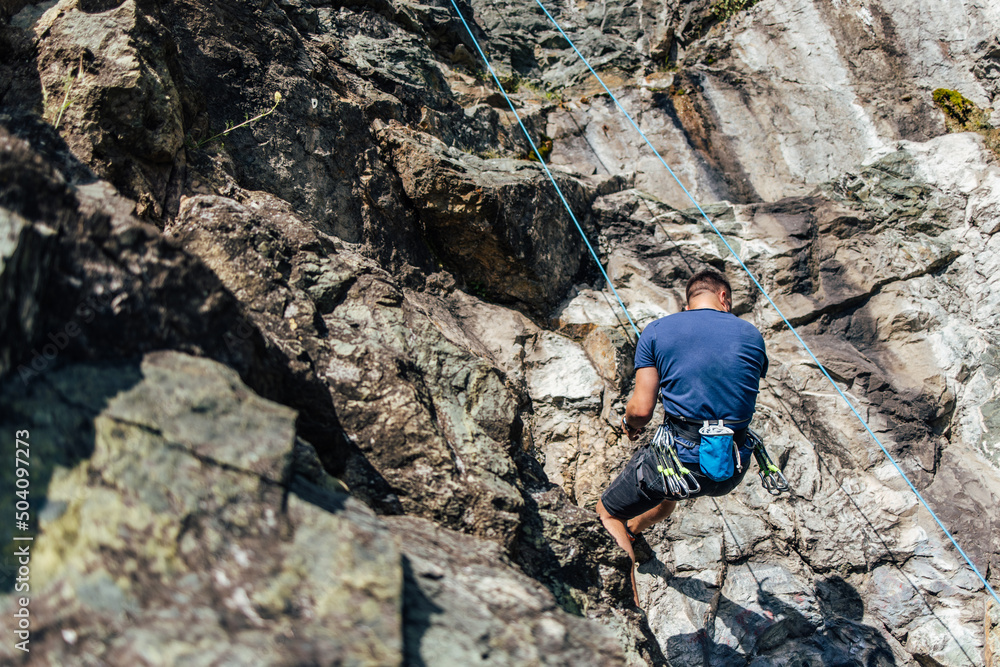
x,y
705,364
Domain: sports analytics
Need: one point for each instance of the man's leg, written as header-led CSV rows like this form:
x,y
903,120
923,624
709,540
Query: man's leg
x,y
653,516
617,529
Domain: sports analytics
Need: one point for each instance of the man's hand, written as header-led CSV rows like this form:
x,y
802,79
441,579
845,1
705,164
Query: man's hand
x,y
632,433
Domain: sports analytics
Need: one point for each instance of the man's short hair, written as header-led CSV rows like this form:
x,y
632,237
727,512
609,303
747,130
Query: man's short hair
x,y
707,281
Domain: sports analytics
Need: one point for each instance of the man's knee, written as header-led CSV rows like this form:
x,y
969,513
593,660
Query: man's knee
x,y
665,509
602,511
667,506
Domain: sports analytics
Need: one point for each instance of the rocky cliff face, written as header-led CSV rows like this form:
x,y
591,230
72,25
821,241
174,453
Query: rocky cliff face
x,y
341,385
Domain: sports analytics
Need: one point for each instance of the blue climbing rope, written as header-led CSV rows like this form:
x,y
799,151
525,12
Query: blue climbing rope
x,y
545,167
771,301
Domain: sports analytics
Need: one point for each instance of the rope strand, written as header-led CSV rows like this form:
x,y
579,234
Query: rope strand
x,y
545,167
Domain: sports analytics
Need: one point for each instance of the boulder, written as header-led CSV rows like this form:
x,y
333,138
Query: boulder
x,y
107,71
465,605
497,223
189,534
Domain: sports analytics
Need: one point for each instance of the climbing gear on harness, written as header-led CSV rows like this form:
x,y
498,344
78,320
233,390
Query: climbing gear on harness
x,y
687,475
677,479
770,475
714,451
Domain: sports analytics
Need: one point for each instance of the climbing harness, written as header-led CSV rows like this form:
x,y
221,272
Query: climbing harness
x,y
770,475
739,261
678,480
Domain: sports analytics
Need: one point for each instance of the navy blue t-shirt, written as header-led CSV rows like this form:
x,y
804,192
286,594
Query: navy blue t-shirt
x,y
709,362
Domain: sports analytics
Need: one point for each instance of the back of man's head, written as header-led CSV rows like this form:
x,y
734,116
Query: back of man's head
x,y
707,281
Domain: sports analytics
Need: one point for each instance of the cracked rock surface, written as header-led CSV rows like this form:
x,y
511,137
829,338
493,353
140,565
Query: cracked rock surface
x,y
341,385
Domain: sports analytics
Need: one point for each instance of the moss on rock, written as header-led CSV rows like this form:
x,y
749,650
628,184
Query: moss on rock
x,y
963,115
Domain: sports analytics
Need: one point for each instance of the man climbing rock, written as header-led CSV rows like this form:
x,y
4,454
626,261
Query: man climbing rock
x,y
705,363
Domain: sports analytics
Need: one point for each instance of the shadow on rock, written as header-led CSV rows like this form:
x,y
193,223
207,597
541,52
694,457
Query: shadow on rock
x,y
417,612
58,417
735,634
87,281
565,547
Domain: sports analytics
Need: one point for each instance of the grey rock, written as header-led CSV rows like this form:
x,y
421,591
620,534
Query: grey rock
x,y
175,546
763,105
991,622
887,354
520,249
208,412
380,358
465,605
337,253
106,78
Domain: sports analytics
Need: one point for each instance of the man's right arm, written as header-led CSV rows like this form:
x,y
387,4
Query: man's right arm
x,y
640,407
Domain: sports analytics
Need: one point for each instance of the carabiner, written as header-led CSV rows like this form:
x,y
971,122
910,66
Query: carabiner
x,y
771,477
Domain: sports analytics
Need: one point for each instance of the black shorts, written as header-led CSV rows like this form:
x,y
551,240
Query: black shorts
x,y
639,487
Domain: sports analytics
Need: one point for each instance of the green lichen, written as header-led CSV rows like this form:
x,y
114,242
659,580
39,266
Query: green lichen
x,y
524,85
963,115
544,148
726,9
960,110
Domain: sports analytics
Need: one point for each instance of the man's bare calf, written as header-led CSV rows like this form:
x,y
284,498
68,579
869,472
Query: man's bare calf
x,y
617,528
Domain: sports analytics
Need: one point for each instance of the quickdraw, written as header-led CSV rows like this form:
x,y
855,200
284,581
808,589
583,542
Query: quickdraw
x,y
677,479
770,475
